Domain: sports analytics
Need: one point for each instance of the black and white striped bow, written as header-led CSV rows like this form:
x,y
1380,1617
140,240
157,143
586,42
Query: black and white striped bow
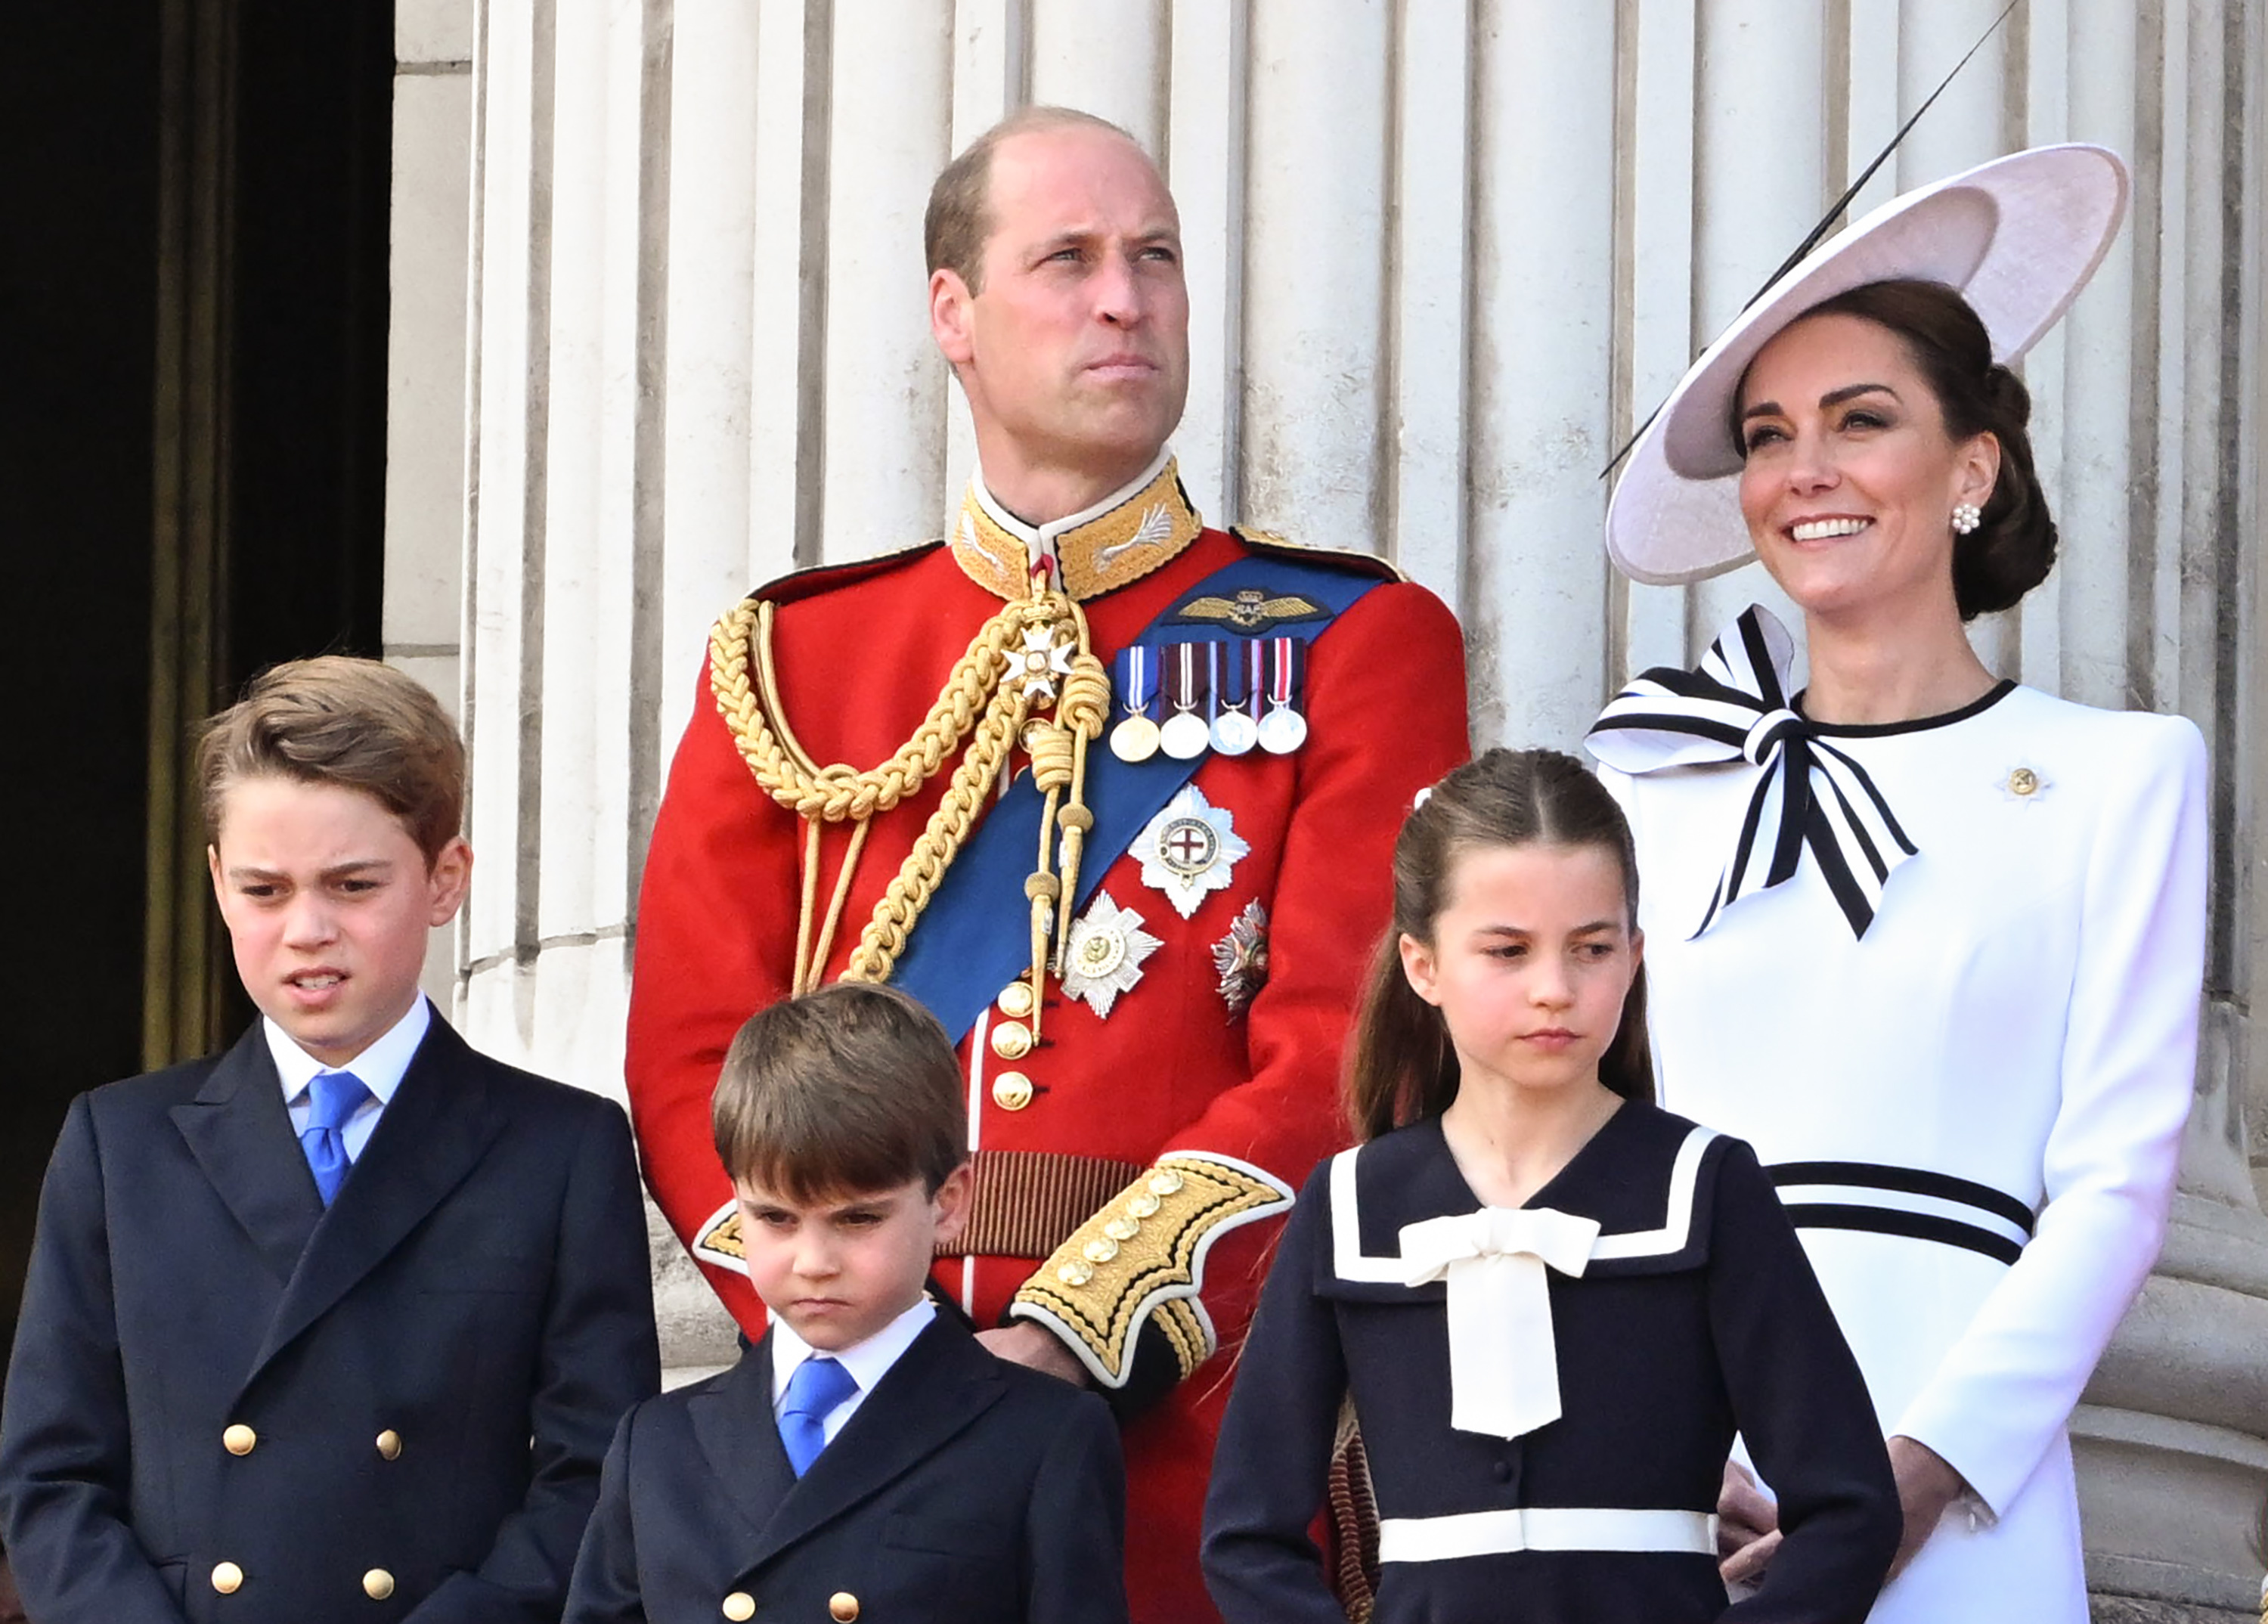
x,y
1734,707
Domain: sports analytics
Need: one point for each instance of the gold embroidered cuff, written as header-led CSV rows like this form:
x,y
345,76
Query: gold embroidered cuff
x,y
1141,1259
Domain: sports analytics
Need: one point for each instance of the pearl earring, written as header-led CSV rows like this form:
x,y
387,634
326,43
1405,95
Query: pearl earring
x,y
1966,517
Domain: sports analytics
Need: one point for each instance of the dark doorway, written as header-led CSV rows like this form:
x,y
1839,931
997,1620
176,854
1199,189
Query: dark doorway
x,y
192,314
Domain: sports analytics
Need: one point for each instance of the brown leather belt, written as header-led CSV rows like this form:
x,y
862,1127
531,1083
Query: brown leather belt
x,y
1026,1203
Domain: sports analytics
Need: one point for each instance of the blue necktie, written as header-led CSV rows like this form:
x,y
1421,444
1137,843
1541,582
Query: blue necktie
x,y
332,1099
814,1392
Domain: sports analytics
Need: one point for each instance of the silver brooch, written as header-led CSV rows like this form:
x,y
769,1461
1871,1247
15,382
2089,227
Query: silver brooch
x,y
1242,957
1102,957
1189,849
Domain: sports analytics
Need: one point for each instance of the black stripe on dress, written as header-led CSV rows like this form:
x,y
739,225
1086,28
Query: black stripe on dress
x,y
1914,1226
1909,1181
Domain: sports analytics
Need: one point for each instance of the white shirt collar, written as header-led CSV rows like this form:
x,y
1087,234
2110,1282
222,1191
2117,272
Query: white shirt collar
x,y
868,1362
1040,541
381,1067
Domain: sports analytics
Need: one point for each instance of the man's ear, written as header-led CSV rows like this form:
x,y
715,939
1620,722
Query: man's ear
x,y
952,1200
949,322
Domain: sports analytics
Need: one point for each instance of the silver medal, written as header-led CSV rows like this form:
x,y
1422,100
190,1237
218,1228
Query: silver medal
x,y
1282,731
1184,736
1234,732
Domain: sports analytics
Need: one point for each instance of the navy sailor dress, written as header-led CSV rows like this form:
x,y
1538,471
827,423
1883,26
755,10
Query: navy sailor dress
x,y
1547,1396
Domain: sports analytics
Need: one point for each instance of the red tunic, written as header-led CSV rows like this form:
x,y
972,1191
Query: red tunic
x,y
860,656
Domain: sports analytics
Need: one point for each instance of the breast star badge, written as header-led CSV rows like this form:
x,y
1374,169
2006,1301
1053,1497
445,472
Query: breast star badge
x,y
1242,958
1102,956
1189,849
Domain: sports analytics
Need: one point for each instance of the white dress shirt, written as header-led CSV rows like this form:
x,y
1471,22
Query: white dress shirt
x,y
380,1067
867,1361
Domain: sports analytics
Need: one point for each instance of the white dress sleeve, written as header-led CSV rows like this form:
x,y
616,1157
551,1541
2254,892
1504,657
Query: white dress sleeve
x,y
2004,1389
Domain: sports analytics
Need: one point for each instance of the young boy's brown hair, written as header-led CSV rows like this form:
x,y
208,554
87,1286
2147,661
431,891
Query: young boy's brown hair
x,y
850,1088
353,723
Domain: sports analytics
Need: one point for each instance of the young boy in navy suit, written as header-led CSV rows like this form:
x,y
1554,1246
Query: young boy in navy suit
x,y
868,1457
334,1326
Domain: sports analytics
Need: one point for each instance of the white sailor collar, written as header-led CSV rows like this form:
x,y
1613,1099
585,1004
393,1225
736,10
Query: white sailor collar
x,y
1132,531
1646,1176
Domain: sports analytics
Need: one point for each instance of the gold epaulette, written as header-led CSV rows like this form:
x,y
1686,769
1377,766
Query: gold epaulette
x,y
1141,1259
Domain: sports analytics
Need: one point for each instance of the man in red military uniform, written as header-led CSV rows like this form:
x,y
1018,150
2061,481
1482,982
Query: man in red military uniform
x,y
1128,835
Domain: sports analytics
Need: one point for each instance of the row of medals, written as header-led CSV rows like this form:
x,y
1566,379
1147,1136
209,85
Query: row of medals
x,y
1232,730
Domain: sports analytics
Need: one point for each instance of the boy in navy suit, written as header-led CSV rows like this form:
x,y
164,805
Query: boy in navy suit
x,y
868,1456
334,1326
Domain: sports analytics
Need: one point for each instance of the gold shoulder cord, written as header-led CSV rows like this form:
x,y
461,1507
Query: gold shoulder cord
x,y
1029,673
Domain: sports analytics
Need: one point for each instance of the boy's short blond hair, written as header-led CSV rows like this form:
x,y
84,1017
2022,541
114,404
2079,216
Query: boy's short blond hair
x,y
847,1090
359,724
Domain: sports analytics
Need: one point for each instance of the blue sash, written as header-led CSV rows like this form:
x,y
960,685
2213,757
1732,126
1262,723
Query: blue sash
x,y
974,937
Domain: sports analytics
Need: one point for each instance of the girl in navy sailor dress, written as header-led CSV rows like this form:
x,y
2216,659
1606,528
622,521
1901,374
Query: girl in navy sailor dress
x,y
1551,1305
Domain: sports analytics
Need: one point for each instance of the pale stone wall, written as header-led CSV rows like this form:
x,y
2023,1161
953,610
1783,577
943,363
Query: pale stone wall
x,y
659,335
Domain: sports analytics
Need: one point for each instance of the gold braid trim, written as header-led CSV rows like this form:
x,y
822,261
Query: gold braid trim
x,y
791,778
1142,1259
1011,667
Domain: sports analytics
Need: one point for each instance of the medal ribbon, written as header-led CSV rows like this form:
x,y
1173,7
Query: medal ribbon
x,y
1186,692
1138,678
1734,707
1237,676
1289,663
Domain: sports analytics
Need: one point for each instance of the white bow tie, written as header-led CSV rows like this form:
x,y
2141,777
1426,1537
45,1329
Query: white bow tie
x,y
1504,1365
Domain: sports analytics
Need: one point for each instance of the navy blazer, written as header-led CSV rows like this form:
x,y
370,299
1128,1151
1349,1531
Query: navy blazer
x,y
227,1403
963,1488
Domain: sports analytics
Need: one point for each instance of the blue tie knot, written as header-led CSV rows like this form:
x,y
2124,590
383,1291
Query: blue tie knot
x,y
815,1391
332,1097
335,1096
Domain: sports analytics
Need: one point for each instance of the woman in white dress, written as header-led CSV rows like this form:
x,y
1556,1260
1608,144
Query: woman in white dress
x,y
1930,941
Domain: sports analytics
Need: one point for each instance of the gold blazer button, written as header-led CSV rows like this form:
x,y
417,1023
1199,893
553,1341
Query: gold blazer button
x,y
378,1584
389,1445
740,1606
1015,1001
843,1608
1011,1090
238,1439
227,1578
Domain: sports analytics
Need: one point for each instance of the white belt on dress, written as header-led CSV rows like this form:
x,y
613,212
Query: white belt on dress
x,y
1544,1528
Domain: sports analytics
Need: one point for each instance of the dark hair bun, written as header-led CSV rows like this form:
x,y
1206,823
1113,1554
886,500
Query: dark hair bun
x,y
2015,547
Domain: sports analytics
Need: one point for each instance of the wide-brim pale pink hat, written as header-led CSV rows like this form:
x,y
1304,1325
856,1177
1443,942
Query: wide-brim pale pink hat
x,y
2018,237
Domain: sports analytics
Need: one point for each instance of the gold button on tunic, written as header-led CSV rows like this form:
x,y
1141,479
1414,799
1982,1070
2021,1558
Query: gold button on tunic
x,y
227,1578
1011,1090
378,1584
740,1606
238,1439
